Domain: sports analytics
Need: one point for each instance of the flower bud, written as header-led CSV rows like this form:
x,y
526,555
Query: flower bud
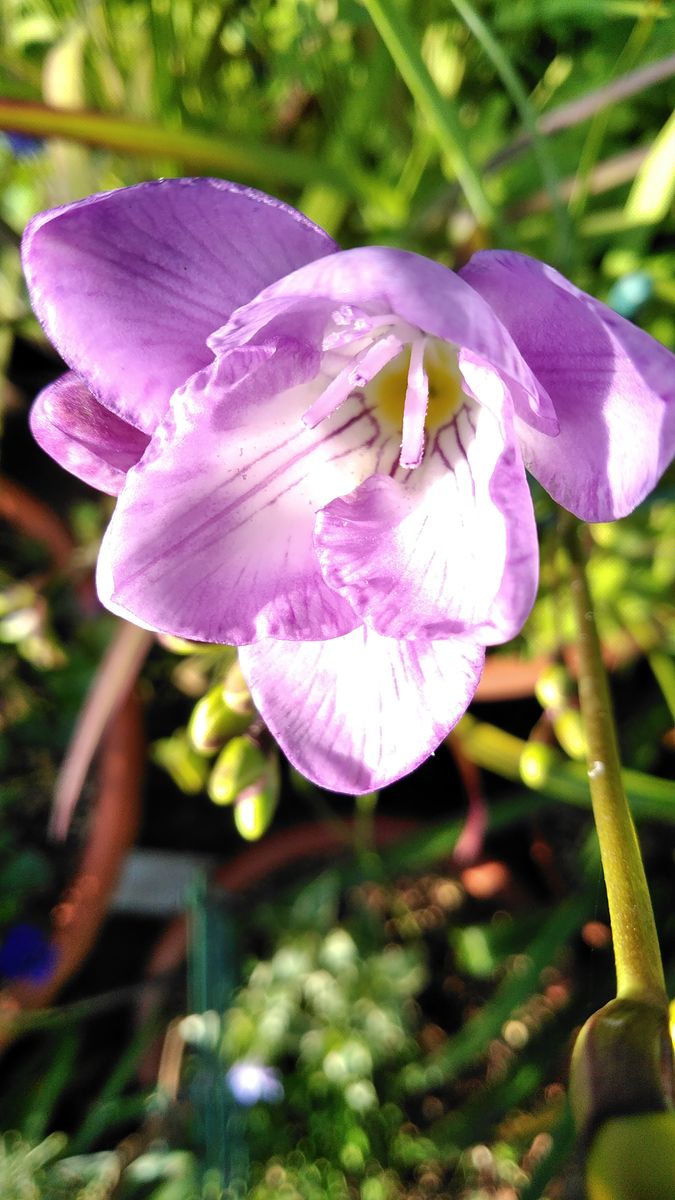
x,y
15,597
240,765
633,1158
235,691
181,761
622,1065
553,688
556,693
255,807
568,727
213,721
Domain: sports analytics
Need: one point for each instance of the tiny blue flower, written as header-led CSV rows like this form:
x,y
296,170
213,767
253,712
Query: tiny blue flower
x,y
250,1082
22,145
26,953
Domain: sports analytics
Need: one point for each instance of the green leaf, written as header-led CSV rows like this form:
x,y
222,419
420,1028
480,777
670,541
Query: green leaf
x,y
518,985
197,151
652,194
546,771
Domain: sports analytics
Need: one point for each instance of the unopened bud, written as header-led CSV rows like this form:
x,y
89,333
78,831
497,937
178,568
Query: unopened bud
x,y
16,596
568,727
213,721
235,691
255,807
553,688
622,1064
633,1158
240,765
556,693
20,623
182,762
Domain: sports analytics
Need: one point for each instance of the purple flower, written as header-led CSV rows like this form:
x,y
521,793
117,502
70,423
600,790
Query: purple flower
x,y
26,953
320,455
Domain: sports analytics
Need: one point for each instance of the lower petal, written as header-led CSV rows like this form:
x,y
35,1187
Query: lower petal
x,y
612,386
212,536
449,550
83,436
356,713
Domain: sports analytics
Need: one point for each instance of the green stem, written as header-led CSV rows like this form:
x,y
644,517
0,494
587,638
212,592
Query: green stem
x,y
639,972
393,28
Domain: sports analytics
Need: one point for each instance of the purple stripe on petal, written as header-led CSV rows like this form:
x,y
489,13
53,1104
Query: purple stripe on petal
x,y
212,537
355,713
449,550
85,438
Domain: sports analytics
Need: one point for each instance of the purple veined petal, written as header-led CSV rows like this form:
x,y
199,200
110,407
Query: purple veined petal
x,y
427,296
85,438
276,318
130,284
211,538
450,549
612,385
355,713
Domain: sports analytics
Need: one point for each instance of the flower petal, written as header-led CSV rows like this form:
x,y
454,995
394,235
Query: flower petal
x,y
355,713
84,437
422,293
130,284
212,536
613,387
448,549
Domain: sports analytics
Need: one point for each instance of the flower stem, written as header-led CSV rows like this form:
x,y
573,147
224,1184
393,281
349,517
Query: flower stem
x,y
639,973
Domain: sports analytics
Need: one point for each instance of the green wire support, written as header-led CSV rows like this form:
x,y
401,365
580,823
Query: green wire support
x,y
211,983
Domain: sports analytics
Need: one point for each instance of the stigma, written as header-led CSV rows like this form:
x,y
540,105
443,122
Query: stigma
x,y
419,390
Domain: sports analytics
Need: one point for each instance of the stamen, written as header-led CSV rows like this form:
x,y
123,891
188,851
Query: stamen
x,y
415,407
407,333
361,369
347,324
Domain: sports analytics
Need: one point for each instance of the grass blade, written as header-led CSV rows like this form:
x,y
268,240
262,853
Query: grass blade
x,y
400,41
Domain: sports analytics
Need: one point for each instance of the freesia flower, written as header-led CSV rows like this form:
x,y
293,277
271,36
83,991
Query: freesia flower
x,y
320,455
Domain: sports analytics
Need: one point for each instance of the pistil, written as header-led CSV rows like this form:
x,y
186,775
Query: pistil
x,y
415,407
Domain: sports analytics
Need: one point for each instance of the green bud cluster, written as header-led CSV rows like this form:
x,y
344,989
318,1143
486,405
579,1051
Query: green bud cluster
x,y
556,692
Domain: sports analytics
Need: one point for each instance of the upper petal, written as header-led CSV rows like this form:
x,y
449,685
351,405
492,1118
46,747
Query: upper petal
x,y
129,284
212,536
85,438
355,713
449,548
612,385
421,292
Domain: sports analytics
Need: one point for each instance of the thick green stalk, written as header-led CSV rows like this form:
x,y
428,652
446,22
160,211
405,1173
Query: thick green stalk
x,y
636,949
